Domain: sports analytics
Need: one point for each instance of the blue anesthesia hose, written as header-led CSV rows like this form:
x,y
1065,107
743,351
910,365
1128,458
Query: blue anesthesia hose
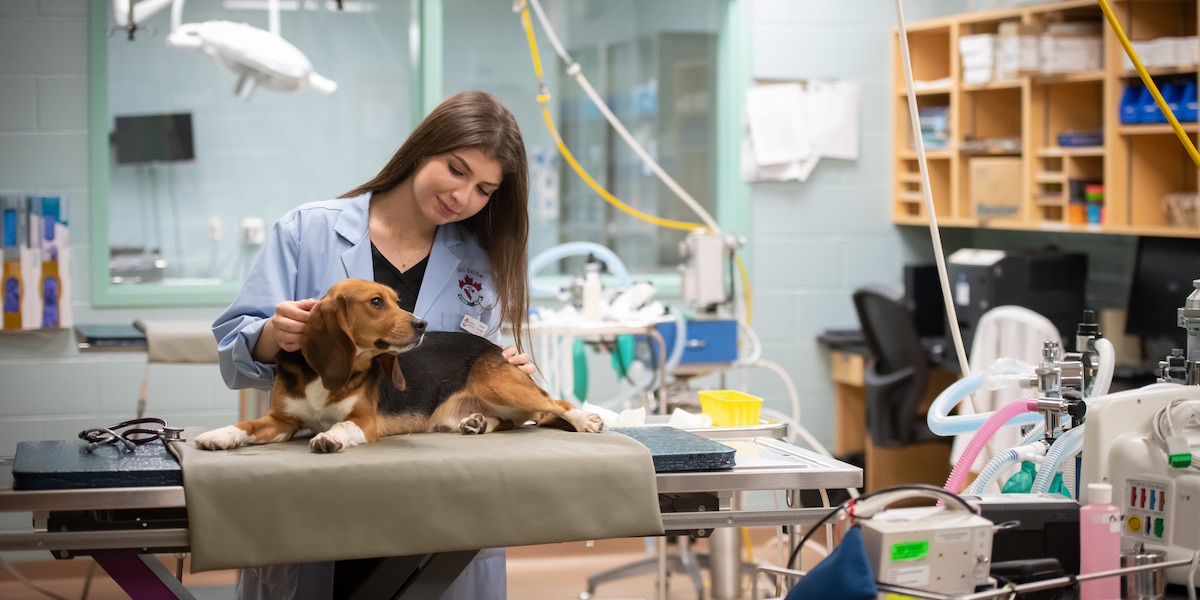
x,y
941,422
1066,445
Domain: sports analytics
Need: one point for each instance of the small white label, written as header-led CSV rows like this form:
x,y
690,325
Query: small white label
x,y
962,293
909,576
952,536
472,325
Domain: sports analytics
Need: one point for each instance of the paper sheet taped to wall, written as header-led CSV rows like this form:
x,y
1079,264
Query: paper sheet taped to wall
x,y
789,127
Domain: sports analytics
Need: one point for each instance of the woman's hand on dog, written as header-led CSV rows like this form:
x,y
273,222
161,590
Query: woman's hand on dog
x,y
283,330
521,360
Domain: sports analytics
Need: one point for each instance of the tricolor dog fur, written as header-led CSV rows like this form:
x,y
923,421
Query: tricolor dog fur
x,y
367,368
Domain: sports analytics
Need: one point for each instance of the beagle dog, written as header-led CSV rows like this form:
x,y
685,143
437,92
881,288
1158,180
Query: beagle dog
x,y
367,368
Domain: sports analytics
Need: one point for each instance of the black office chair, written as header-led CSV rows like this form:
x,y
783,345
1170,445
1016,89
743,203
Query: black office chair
x,y
897,372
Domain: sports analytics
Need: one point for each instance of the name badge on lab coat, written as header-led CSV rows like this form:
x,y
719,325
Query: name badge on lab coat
x,y
472,325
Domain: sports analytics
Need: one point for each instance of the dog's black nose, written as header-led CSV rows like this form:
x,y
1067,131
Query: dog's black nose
x,y
419,324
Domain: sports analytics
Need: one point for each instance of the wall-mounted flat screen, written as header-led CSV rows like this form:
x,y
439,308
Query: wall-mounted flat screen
x,y
154,138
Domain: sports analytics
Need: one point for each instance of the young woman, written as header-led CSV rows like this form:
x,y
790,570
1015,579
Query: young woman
x,y
445,223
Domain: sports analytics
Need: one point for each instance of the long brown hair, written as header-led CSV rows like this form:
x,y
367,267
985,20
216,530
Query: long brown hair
x,y
477,120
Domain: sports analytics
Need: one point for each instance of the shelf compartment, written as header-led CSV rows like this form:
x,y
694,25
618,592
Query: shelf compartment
x,y
1152,20
1060,108
930,51
992,113
1158,165
909,198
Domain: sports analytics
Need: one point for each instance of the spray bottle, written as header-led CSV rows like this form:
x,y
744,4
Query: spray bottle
x,y
1099,544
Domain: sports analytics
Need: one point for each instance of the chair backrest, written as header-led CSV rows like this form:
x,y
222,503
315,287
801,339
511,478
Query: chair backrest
x,y
1011,332
898,370
1003,332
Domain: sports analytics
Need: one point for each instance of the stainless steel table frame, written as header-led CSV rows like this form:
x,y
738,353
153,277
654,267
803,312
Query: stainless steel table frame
x,y
121,528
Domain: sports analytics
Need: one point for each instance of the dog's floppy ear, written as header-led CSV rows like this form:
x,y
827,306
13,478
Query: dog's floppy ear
x,y
326,343
391,369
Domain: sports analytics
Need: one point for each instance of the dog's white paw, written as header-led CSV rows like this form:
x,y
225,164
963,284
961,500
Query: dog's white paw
x,y
583,421
339,437
326,443
224,438
475,424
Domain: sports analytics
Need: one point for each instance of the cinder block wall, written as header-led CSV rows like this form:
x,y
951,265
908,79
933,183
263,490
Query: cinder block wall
x,y
815,242
48,388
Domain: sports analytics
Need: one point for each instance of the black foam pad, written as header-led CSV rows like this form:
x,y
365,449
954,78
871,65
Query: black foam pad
x,y
62,465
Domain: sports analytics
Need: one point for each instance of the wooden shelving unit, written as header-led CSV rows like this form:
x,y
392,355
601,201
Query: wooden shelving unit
x,y
1137,164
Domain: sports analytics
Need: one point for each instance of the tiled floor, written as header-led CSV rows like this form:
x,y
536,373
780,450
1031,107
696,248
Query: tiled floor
x,y
550,572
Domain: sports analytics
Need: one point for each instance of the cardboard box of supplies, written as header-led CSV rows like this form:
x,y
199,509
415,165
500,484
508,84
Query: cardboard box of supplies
x,y
1017,51
1070,54
996,187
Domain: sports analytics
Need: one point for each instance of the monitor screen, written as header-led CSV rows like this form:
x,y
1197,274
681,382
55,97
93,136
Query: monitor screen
x,y
154,138
1162,281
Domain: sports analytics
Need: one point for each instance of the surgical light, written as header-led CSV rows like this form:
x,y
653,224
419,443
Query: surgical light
x,y
258,57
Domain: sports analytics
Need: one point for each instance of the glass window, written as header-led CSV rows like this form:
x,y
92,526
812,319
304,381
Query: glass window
x,y
190,209
181,217
655,65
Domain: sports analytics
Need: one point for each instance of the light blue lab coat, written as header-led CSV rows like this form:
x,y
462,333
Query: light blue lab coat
x,y
320,243
309,249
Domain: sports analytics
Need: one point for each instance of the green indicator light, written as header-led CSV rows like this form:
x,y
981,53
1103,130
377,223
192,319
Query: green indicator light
x,y
909,550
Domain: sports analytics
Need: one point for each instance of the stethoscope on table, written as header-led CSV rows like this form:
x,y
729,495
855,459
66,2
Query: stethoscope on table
x,y
133,437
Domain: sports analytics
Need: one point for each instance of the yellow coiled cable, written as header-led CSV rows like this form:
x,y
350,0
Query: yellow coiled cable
x,y
543,99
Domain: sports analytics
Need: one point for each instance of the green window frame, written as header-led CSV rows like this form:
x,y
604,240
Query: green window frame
x,y
733,209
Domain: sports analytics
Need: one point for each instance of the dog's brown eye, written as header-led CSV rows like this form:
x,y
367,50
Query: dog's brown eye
x,y
377,302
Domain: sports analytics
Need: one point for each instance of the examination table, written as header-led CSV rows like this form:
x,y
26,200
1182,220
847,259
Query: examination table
x,y
430,501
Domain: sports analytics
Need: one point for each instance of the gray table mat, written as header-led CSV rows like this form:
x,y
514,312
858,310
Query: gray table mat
x,y
413,494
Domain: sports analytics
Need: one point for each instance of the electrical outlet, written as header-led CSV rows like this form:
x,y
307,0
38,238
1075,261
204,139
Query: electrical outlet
x,y
254,231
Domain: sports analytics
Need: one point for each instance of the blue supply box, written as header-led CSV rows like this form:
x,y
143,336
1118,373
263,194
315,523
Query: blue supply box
x,y
935,126
1078,139
1138,105
708,341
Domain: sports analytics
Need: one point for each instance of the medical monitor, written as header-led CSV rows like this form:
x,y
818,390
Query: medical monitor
x,y
154,138
1162,280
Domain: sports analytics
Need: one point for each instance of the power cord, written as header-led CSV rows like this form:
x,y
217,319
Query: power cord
x,y
916,490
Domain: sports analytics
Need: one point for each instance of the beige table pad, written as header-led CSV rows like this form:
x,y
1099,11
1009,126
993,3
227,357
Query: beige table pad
x,y
413,494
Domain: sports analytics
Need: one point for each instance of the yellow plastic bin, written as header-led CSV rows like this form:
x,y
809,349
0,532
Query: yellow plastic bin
x,y
730,408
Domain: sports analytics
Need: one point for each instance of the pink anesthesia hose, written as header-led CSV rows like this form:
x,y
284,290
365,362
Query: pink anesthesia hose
x,y
981,437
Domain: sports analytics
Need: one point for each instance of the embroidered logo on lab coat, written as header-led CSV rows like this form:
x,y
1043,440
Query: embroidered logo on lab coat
x,y
470,289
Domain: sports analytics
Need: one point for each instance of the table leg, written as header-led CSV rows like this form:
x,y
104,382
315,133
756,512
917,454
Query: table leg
x,y
423,576
142,576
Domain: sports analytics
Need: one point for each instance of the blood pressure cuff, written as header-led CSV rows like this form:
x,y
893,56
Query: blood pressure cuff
x,y
844,574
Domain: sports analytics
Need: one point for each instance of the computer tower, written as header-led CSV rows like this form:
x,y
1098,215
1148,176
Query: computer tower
x,y
1046,282
923,297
